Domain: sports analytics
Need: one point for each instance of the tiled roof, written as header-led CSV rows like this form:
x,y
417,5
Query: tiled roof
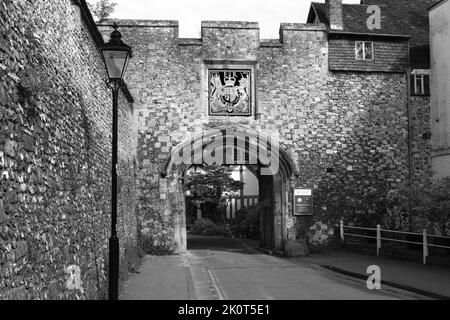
x,y
438,3
411,16
398,17
355,19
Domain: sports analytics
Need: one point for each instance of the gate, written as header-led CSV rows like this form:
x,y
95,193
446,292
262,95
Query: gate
x,y
267,229
267,234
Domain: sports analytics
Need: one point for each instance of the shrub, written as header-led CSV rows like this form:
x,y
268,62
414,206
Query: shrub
x,y
205,227
246,223
218,230
201,225
156,238
432,203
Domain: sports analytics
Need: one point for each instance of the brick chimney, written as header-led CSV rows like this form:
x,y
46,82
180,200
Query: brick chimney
x,y
334,10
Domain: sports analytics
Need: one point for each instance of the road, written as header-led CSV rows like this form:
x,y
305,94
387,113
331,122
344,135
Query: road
x,y
225,269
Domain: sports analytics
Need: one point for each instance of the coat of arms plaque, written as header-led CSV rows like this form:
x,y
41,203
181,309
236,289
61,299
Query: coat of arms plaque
x,y
229,93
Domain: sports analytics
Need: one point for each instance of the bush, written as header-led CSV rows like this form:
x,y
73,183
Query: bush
x,y
246,223
205,227
155,238
432,203
200,225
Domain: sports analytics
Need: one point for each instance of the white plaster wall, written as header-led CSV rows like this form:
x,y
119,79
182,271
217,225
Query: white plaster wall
x,y
441,166
251,187
440,86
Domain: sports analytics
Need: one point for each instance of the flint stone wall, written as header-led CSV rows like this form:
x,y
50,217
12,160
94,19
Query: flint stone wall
x,y
55,167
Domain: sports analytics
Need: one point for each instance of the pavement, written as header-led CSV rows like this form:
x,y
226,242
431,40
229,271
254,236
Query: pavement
x,y
429,280
160,278
218,268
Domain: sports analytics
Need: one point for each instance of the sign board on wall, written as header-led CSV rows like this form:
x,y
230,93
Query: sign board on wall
x,y
303,205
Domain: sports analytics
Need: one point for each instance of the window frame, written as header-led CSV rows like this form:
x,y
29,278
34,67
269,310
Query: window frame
x,y
421,76
363,58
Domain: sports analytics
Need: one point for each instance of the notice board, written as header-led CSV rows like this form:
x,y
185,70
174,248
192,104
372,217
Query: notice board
x,y
303,204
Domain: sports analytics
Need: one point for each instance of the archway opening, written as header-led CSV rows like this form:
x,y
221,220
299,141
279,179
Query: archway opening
x,y
235,215
265,189
245,197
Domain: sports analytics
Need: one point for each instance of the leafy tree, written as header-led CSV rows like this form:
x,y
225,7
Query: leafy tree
x,y
102,9
434,204
212,188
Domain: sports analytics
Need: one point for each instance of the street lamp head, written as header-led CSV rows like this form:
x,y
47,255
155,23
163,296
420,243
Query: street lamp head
x,y
116,55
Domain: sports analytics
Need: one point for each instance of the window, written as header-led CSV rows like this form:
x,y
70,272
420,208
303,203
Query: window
x,y
364,50
419,87
420,82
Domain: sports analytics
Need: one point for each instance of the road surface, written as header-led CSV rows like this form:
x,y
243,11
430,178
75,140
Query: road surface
x,y
225,269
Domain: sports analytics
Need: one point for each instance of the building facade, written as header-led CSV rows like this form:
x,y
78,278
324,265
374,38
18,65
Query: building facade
x,y
335,92
327,106
440,81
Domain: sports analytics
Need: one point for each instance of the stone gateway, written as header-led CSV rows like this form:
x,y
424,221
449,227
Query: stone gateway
x,y
341,115
330,105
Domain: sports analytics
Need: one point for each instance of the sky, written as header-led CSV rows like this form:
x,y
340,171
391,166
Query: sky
x,y
190,13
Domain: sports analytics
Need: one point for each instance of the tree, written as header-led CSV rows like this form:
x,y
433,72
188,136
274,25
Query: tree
x,y
212,188
434,204
102,9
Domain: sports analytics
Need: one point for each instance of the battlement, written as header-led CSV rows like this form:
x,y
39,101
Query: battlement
x,y
209,29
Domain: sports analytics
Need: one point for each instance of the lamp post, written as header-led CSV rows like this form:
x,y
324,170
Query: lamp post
x,y
116,55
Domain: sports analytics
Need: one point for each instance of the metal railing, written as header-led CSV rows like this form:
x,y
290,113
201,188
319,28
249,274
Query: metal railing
x,y
424,243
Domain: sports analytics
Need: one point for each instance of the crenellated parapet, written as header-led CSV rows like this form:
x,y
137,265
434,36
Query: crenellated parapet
x,y
218,39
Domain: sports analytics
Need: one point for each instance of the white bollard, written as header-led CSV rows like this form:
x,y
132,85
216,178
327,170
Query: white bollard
x,y
425,246
378,239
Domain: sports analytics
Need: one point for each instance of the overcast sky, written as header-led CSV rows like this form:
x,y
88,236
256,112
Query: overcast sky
x,y
189,13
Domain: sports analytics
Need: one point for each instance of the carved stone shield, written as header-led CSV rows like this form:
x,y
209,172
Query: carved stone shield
x,y
229,92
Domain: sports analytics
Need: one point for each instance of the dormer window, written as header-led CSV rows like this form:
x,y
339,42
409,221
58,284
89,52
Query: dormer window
x,y
363,50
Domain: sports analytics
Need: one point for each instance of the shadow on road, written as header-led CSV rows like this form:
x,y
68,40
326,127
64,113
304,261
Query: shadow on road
x,y
216,243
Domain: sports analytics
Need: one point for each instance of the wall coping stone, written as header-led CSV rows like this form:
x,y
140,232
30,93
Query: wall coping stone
x,y
302,26
130,23
230,24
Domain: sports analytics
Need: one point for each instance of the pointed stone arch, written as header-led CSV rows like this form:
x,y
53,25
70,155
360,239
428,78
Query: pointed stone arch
x,y
277,181
287,164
